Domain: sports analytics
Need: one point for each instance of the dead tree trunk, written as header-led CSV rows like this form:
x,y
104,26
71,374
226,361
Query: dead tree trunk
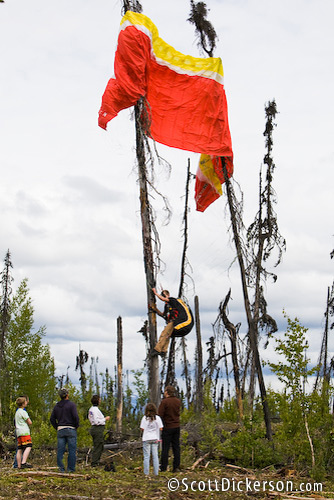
x,y
252,380
82,359
227,373
170,375
185,233
252,328
6,280
199,358
326,338
181,288
119,413
185,372
146,221
232,330
323,369
145,213
171,358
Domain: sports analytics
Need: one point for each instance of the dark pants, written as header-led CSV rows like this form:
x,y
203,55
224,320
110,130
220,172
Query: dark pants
x,y
170,437
97,433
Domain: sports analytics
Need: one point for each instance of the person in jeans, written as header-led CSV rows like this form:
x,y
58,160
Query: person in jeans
x,y
169,411
98,422
65,419
151,425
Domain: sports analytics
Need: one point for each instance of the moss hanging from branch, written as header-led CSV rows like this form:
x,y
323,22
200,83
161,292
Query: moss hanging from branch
x,y
207,36
132,5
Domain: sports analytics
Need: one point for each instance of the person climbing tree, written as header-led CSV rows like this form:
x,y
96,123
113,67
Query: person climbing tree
x,y
179,320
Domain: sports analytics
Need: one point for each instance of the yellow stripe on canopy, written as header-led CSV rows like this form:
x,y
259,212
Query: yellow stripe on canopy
x,y
165,54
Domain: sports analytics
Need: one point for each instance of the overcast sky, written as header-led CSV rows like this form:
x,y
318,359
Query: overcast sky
x,y
69,193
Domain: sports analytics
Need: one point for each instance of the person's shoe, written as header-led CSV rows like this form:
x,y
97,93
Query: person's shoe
x,y
26,466
177,469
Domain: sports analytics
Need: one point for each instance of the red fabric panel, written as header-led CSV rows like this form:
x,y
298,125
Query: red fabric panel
x,y
129,84
187,112
205,193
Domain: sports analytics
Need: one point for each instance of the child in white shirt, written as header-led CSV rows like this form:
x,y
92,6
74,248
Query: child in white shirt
x,y
151,425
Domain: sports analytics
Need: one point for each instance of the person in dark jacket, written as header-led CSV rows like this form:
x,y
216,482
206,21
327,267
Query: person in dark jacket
x,y
169,411
65,419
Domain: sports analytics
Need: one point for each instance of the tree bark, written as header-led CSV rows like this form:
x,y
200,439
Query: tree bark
x,y
230,327
199,368
119,413
252,329
6,280
153,362
183,265
186,371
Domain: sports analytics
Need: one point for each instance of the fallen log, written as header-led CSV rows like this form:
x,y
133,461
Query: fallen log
x,y
241,469
199,460
69,475
124,446
77,497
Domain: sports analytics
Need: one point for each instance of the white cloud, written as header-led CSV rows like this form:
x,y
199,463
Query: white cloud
x,y
69,195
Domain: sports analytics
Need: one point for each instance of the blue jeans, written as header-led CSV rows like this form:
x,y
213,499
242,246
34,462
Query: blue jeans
x,y
67,436
148,448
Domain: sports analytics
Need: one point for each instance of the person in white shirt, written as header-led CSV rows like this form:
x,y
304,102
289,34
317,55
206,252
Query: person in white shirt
x,y
98,422
151,425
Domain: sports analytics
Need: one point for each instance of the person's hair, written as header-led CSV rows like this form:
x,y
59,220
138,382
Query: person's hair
x,y
20,401
170,390
25,396
165,293
151,411
63,393
95,400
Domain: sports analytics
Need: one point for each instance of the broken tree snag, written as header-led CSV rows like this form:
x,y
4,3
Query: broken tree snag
x,y
232,330
119,377
252,327
199,361
145,213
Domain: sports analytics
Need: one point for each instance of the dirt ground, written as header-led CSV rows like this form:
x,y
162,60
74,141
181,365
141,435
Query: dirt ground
x,y
43,481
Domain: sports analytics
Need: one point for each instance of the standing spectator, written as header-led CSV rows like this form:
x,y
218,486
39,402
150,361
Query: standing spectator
x,y
22,423
169,411
151,425
65,419
15,457
98,422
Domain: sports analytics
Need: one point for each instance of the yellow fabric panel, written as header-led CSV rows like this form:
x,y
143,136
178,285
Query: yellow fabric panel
x,y
207,169
189,318
210,67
